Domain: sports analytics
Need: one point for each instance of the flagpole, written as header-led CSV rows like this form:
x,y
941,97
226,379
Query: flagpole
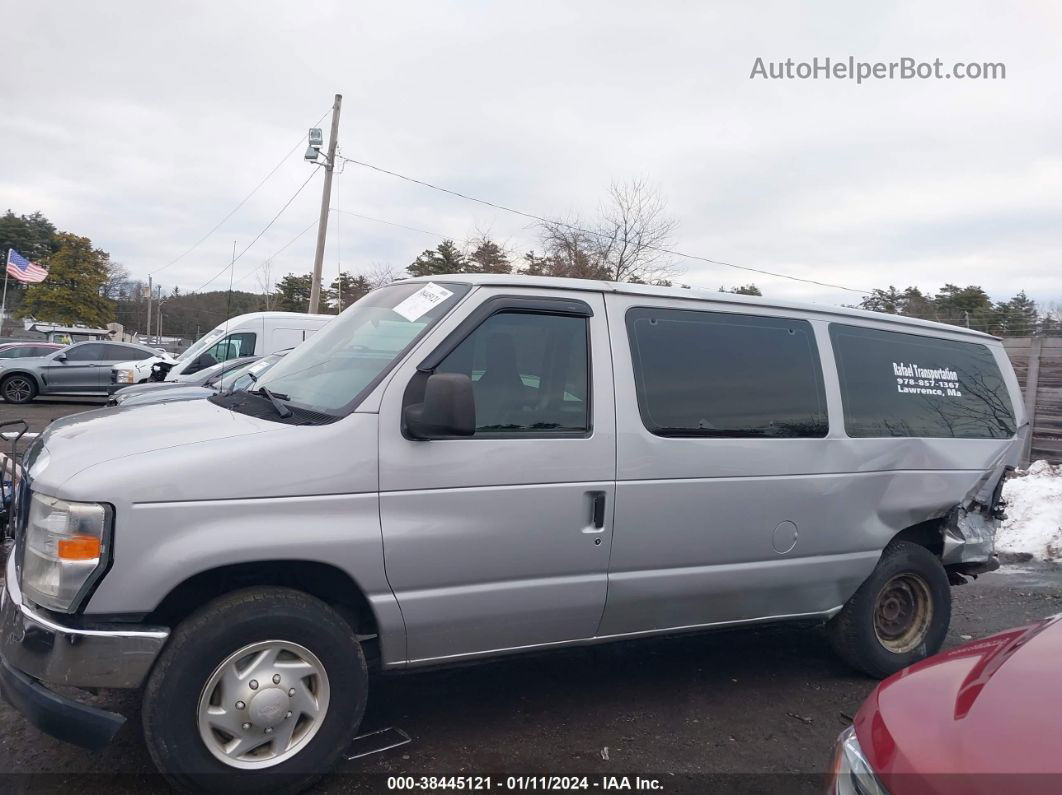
x,y
3,304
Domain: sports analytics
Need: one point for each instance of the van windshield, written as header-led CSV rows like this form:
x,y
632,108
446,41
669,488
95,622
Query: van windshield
x,y
331,369
204,342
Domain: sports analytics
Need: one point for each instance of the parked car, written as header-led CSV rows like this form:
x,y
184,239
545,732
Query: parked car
x,y
193,384
139,372
79,369
481,465
224,377
254,334
967,720
22,350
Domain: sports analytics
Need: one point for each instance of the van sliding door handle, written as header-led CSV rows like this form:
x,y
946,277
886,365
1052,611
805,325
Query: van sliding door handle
x,y
599,509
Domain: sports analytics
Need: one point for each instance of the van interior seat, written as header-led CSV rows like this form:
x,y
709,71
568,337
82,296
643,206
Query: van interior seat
x,y
500,392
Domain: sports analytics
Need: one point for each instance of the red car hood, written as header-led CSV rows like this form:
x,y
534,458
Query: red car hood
x,y
992,706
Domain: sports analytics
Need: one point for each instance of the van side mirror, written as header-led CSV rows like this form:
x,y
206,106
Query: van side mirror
x,y
202,361
449,408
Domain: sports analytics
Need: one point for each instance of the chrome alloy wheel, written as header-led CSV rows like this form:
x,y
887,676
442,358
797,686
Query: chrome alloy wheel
x,y
263,704
18,389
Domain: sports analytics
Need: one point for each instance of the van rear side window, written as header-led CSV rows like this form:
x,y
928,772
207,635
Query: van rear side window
x,y
718,374
897,384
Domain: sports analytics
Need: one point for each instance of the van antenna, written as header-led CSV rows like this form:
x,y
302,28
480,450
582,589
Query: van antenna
x,y
228,300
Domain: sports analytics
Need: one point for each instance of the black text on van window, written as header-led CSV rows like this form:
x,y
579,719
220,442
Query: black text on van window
x,y
716,374
528,371
897,384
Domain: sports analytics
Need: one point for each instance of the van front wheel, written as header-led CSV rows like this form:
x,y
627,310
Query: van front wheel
x,y
260,690
899,615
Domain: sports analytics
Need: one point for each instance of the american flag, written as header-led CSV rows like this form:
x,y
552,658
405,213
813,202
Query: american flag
x,y
24,270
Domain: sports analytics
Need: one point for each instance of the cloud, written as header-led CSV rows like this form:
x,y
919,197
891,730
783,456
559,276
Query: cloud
x,y
142,127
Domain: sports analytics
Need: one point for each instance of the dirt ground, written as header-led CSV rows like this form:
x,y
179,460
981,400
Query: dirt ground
x,y
749,710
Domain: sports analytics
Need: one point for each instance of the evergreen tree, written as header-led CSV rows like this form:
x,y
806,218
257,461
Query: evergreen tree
x,y
915,303
959,305
744,289
292,293
346,289
488,257
444,258
1016,317
73,291
889,301
32,236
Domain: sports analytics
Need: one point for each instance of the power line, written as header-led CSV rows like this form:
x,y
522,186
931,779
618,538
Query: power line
x,y
259,235
243,201
544,220
278,252
392,223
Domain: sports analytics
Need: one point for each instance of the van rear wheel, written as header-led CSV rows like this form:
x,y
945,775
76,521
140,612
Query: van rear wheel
x,y
899,615
259,690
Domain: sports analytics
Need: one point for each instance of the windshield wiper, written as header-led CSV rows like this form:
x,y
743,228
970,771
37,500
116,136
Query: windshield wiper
x,y
275,399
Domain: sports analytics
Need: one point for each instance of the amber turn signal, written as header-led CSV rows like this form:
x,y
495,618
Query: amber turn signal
x,y
80,547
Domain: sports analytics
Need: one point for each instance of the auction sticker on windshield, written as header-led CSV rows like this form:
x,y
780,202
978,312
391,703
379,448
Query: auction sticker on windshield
x,y
422,301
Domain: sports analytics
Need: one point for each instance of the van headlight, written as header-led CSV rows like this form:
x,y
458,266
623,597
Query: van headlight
x,y
852,773
65,549
124,377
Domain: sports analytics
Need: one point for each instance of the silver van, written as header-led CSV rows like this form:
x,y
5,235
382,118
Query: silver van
x,y
477,465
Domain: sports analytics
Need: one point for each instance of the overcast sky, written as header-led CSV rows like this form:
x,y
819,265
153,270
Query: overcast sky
x,y
141,125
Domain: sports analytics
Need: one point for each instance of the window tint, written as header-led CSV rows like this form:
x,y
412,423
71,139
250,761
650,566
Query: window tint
x,y
89,352
896,384
123,353
18,353
528,371
718,374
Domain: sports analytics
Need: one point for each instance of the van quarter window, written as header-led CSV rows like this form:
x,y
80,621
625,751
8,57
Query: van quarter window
x,y
716,374
528,371
896,384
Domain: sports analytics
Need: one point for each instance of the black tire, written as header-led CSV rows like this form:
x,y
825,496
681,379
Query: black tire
x,y
867,632
198,647
18,388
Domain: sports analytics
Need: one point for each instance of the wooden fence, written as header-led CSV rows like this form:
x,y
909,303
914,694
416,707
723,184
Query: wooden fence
x,y
1038,364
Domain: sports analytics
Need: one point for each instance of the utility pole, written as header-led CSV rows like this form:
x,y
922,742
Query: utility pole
x,y
326,195
150,294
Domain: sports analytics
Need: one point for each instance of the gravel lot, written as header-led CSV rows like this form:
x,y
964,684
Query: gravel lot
x,y
738,710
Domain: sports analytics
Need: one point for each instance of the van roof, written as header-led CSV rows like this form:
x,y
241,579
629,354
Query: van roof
x,y
626,288
275,316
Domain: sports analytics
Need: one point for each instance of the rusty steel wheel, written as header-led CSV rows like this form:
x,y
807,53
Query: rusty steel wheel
x,y
898,616
903,613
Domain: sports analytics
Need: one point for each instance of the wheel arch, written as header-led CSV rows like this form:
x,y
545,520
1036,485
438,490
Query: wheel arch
x,y
324,581
6,374
928,534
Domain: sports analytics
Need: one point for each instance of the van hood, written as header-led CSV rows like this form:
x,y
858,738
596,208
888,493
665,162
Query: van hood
x,y
75,443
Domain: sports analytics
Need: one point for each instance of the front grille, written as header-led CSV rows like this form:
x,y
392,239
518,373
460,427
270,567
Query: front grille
x,y
114,376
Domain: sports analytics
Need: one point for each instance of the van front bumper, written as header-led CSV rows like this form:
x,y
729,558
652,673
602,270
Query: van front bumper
x,y
35,650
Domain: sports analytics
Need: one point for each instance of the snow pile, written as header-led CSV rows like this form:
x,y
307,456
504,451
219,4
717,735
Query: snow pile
x,y
1034,513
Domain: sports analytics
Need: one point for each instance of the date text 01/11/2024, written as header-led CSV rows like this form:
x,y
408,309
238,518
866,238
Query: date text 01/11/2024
x,y
523,783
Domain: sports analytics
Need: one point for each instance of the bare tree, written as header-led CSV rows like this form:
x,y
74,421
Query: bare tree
x,y
627,243
634,228
380,274
265,283
571,251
